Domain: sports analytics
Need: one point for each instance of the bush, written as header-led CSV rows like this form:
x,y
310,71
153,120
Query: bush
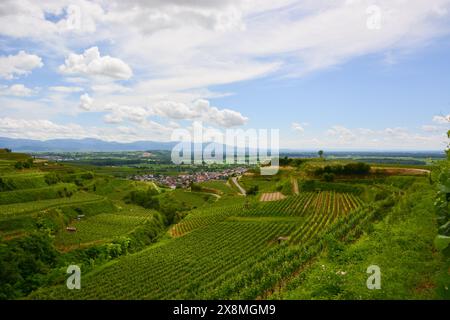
x,y
52,178
358,168
27,164
253,190
23,264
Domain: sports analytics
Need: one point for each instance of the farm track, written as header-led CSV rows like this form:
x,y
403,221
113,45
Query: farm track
x,y
295,188
241,189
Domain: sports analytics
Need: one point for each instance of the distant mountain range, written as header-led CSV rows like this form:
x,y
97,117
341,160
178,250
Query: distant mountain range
x,y
82,145
96,145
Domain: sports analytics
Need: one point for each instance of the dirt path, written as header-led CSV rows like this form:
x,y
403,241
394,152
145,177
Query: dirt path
x,y
401,171
295,186
236,183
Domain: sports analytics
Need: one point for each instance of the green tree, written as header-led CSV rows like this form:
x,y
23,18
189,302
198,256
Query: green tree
x,y
442,204
321,153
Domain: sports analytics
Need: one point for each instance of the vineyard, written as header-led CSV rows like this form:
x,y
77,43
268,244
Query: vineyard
x,y
186,243
181,268
100,227
275,196
16,210
213,248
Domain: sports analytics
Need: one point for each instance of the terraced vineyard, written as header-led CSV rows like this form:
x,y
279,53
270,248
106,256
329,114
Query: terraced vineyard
x,y
304,203
137,240
203,218
181,268
100,227
16,210
213,249
36,194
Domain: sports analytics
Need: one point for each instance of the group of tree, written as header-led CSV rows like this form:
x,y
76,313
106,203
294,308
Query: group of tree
x,y
443,205
27,164
253,190
293,162
150,199
331,171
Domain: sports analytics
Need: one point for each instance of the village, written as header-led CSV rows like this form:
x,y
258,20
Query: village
x,y
185,181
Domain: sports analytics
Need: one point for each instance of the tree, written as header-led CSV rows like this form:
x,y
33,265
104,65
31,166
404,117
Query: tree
x,y
19,165
321,153
329,177
253,190
442,204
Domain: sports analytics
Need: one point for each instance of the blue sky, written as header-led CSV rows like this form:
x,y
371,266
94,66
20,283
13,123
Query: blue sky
x,y
352,74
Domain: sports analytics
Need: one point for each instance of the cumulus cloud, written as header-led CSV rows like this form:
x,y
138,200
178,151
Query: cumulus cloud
x,y
120,113
86,102
38,129
442,119
65,89
12,66
90,63
200,110
41,129
298,127
16,90
382,139
431,128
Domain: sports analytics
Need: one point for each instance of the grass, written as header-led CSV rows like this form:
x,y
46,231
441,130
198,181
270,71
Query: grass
x,y
401,245
219,185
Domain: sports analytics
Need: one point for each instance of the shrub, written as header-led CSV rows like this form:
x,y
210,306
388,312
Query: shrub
x,y
329,177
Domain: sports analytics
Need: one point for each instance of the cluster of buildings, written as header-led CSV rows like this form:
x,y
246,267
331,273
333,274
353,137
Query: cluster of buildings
x,y
185,180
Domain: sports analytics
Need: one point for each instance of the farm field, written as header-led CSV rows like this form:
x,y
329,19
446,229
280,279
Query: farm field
x,y
223,187
101,227
138,240
275,196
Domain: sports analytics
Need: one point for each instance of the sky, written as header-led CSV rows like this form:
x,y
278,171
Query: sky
x,y
334,75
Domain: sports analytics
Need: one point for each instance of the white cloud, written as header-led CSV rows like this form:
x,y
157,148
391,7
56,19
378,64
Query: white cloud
x,y
179,49
20,64
16,90
37,129
65,89
90,63
442,119
199,110
340,137
41,129
119,113
298,127
110,88
86,102
342,133
430,128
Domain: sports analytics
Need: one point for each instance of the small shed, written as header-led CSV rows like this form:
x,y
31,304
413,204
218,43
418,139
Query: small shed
x,y
282,239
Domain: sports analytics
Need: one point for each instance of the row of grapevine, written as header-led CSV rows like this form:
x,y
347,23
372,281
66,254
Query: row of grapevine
x,y
99,227
256,277
204,217
16,210
181,268
306,204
